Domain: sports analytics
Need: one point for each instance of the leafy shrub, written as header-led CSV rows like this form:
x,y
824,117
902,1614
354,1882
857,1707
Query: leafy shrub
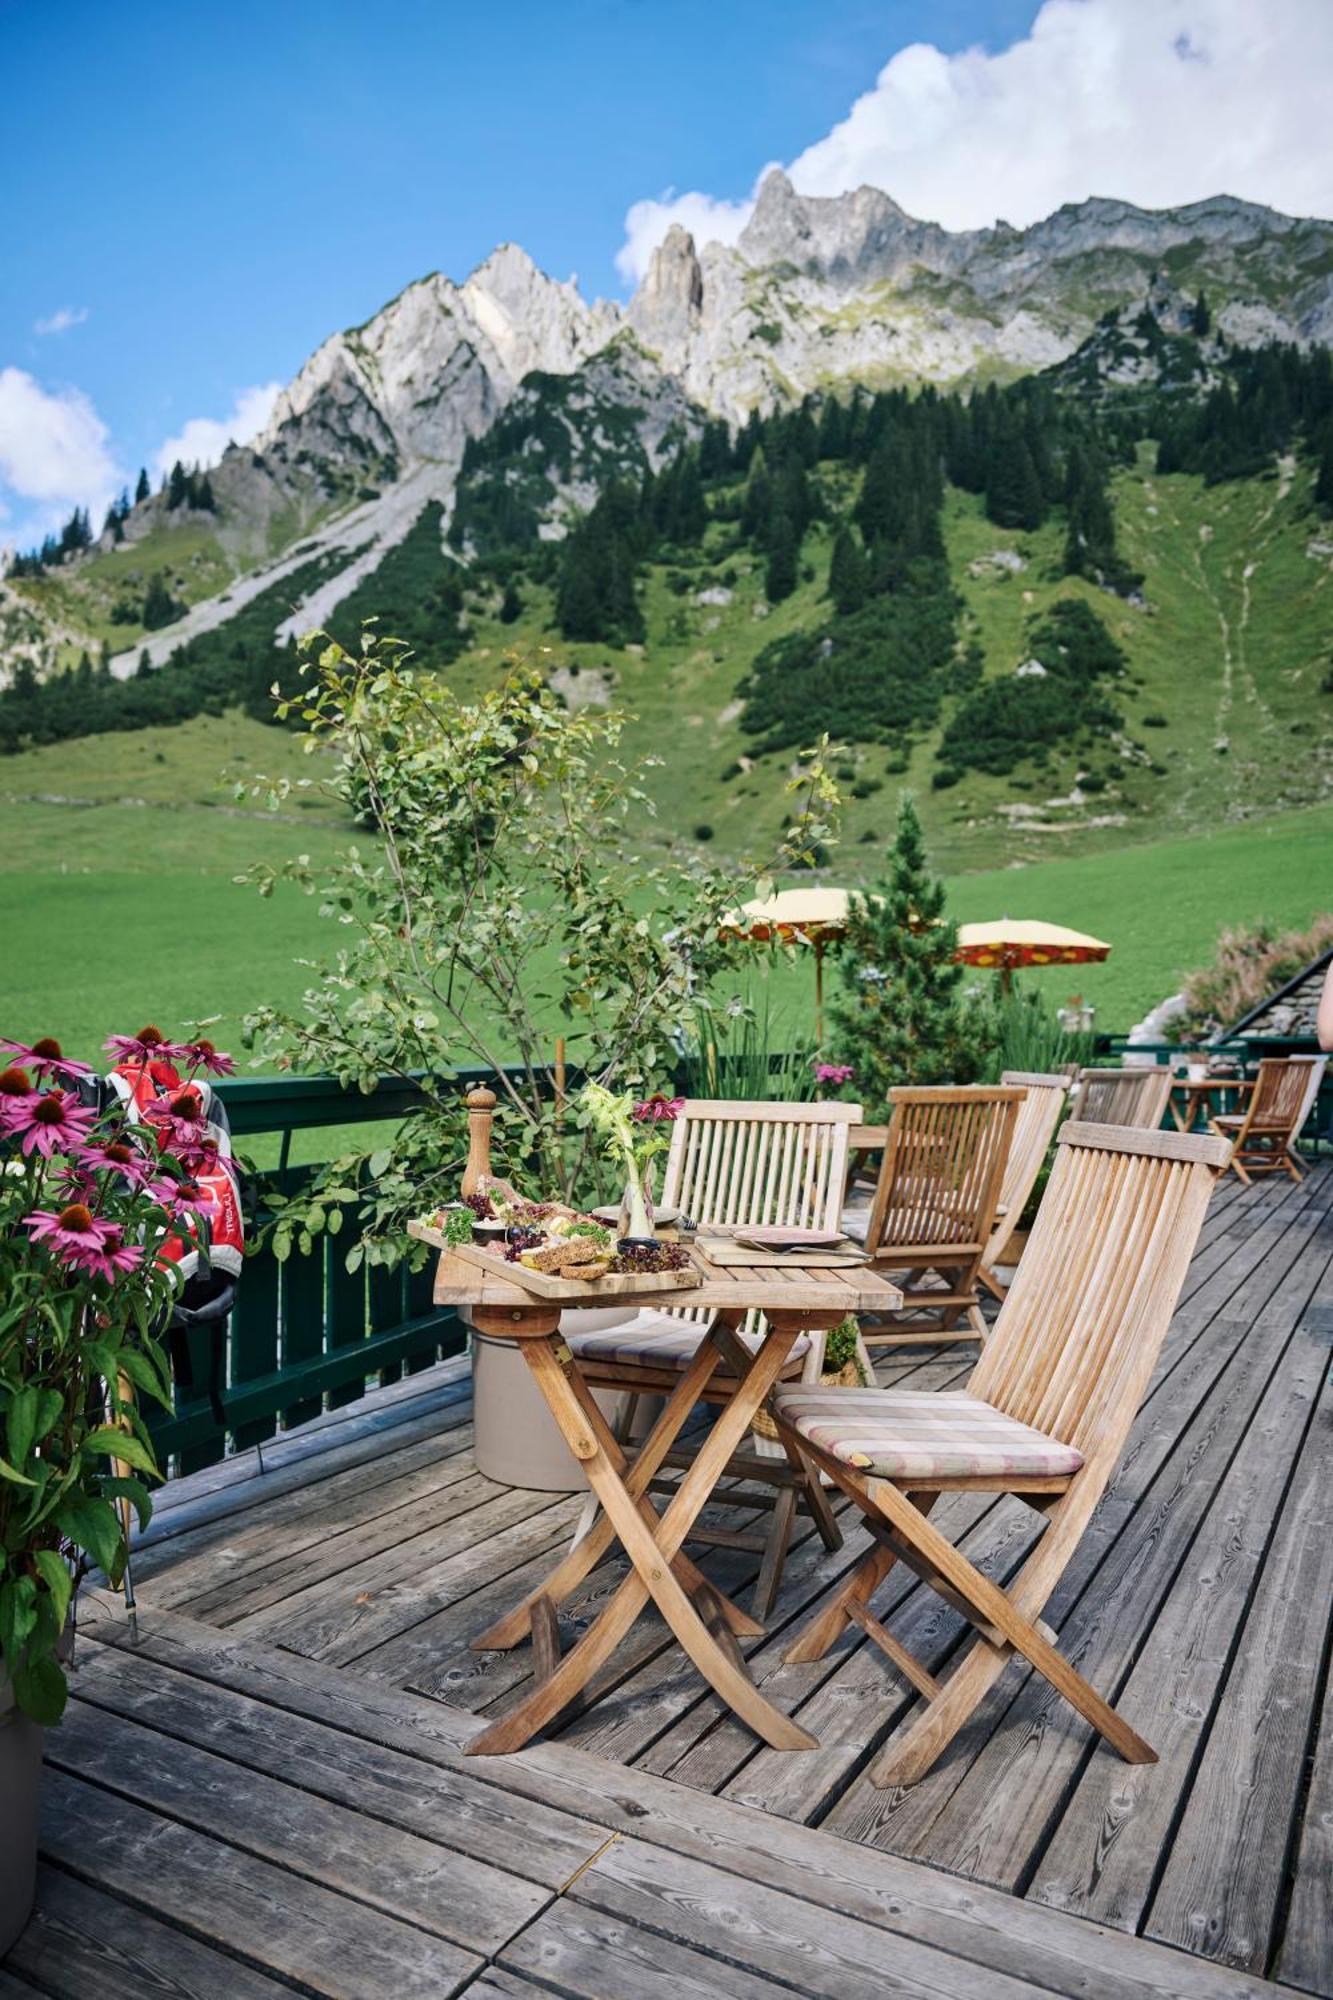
x,y
1006,721
1252,960
1154,721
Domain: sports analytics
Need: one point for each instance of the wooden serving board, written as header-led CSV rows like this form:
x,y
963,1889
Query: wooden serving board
x,y
727,1253
544,1285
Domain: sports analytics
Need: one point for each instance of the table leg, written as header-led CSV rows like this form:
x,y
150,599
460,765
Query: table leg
x,y
513,1627
651,1552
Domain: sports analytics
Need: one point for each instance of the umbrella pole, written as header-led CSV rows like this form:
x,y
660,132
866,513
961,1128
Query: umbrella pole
x,y
819,999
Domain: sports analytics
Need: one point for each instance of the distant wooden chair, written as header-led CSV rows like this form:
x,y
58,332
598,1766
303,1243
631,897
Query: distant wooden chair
x,y
1135,1097
1263,1136
1045,1416
934,1206
1045,1101
737,1164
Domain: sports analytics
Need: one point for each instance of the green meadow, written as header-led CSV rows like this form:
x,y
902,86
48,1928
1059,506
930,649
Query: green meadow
x,y
118,901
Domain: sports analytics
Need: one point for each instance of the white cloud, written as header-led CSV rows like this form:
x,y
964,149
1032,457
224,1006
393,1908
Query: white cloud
x,y
53,451
61,320
203,440
1158,102
647,222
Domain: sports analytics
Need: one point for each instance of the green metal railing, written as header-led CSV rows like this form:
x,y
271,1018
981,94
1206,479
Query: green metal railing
x,y
306,1334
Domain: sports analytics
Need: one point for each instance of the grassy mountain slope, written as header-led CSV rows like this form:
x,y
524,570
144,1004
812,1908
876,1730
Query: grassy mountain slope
x,y
1227,656
118,856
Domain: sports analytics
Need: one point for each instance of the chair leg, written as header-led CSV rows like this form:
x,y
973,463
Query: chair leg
x,y
775,1553
859,1588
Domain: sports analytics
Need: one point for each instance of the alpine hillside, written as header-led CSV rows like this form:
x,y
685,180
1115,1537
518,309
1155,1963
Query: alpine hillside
x,y
1035,520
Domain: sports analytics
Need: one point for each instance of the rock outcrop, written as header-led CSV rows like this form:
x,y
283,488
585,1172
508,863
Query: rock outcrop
x,y
818,293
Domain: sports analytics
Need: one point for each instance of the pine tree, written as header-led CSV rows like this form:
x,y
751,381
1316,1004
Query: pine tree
x,y
178,486
847,581
901,1017
1323,486
1014,497
1201,318
159,606
142,489
511,604
784,548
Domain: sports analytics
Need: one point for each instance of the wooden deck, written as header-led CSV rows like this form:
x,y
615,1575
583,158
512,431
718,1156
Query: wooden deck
x,y
266,1791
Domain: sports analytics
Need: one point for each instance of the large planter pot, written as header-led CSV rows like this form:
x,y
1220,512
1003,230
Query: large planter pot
x,y
20,1774
517,1441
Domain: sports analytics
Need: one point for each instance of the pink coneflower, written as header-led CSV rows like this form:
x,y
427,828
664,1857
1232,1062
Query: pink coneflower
x,y
73,1233
15,1091
117,1156
835,1073
149,1045
658,1106
183,1198
49,1124
46,1059
112,1257
202,1055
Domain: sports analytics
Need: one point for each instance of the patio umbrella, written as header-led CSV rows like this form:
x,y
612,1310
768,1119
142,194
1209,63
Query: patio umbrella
x,y
1011,943
817,917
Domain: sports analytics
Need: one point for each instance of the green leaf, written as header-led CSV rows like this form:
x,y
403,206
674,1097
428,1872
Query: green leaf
x,y
134,1491
21,1427
94,1526
18,1615
18,1478
41,1690
55,1571
120,1444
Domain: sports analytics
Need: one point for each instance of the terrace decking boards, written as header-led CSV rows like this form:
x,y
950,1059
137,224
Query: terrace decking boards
x,y
267,1791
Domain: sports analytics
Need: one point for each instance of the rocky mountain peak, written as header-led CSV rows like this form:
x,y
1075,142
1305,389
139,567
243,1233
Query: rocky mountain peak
x,y
665,310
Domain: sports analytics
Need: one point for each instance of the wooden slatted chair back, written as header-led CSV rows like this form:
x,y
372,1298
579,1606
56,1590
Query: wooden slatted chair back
x,y
1281,1096
754,1163
1045,1100
944,1161
1136,1097
1316,1065
759,1163
1082,1324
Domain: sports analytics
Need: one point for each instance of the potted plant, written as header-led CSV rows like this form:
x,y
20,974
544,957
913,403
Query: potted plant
x,y
92,1204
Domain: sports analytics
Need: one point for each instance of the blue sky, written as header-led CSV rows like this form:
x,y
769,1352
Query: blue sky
x,y
199,194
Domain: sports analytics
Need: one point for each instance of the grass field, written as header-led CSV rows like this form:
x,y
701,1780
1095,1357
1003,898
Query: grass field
x,y
117,899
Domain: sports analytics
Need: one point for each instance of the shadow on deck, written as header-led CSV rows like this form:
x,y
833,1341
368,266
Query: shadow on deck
x,y
268,1791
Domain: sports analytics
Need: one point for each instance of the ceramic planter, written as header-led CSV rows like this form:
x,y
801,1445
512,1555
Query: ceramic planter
x,y
517,1442
20,1775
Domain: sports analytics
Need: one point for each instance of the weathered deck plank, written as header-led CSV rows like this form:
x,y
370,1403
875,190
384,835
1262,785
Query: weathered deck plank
x,y
899,1899
280,1922
350,1576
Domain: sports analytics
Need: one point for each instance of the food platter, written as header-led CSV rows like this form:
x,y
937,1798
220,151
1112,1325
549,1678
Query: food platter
x,y
557,1285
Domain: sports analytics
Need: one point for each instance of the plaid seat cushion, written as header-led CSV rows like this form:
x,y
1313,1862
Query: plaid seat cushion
x,y
655,1339
905,1434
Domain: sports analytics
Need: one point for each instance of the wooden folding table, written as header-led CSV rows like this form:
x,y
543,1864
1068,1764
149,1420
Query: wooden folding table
x,y
794,1300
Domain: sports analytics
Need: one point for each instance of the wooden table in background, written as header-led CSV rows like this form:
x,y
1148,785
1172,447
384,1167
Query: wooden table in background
x,y
1196,1093
794,1300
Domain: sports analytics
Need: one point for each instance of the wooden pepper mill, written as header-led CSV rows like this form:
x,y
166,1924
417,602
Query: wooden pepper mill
x,y
480,1115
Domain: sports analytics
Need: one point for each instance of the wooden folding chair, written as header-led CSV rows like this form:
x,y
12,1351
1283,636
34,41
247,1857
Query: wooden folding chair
x,y
1136,1097
1263,1136
1045,1101
934,1207
737,1163
1045,1416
